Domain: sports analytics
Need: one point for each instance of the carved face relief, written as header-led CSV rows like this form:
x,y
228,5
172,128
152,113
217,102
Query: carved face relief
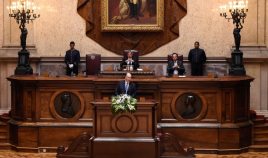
x,y
188,105
67,104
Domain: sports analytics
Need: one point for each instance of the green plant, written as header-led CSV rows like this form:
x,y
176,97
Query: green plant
x,y
123,103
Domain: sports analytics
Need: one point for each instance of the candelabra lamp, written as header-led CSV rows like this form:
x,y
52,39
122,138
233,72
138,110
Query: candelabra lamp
x,y
23,11
237,10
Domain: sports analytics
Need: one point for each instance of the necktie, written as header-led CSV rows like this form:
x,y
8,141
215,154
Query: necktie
x,y
126,86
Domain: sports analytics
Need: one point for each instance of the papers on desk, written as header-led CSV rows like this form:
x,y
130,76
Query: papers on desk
x,y
182,76
139,69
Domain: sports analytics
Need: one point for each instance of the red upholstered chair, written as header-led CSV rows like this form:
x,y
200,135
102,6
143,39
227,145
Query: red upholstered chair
x,y
180,57
93,64
135,57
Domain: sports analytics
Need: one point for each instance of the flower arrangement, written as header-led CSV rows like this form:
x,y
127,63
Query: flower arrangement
x,y
123,103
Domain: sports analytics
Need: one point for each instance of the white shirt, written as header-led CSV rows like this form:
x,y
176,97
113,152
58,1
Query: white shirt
x,y
175,72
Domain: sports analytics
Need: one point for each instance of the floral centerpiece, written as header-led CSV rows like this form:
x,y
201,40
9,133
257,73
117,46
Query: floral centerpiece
x,y
123,103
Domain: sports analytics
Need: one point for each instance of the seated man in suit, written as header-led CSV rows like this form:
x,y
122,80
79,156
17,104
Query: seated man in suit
x,y
126,86
175,66
130,61
72,59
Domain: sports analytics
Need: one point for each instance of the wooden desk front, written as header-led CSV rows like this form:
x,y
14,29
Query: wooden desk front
x,y
221,124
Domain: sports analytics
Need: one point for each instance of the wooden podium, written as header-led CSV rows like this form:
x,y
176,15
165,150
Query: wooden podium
x,y
124,135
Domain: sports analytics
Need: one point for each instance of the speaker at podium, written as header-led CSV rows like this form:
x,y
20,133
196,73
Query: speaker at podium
x,y
93,64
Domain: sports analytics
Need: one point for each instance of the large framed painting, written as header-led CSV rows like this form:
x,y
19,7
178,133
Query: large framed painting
x,y
132,15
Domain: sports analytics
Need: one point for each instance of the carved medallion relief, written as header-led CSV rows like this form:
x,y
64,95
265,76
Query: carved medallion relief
x,y
189,106
66,105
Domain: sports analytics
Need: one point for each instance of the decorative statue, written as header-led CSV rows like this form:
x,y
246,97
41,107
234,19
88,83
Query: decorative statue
x,y
237,37
23,37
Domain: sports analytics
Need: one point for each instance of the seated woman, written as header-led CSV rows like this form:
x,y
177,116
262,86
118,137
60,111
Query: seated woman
x,y
175,66
129,61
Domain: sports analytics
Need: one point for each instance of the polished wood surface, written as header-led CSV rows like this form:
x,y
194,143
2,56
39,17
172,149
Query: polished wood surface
x,y
222,119
125,134
141,123
130,134
12,154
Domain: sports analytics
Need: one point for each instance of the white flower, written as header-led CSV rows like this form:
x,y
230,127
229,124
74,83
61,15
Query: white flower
x,y
123,103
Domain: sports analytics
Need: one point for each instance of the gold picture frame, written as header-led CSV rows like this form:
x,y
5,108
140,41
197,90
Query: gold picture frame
x,y
132,15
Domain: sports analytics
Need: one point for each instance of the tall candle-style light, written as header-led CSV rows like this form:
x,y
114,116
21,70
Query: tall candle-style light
x,y
237,13
23,11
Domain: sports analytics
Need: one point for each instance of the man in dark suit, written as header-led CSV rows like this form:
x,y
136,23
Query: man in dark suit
x,y
175,66
72,59
130,61
197,58
126,86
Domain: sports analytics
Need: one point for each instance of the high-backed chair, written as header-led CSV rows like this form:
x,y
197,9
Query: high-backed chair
x,y
169,57
135,55
93,64
180,58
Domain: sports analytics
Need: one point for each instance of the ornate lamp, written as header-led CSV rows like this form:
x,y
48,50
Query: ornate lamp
x,y
23,12
237,10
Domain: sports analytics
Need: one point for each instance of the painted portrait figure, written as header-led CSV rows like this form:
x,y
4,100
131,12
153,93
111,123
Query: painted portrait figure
x,y
132,11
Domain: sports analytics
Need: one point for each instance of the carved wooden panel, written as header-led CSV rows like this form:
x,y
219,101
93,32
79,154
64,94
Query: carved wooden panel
x,y
227,104
59,135
145,42
190,106
206,137
165,105
125,149
213,106
27,137
209,111
66,105
227,100
45,97
241,103
88,97
138,124
17,101
124,125
134,134
29,103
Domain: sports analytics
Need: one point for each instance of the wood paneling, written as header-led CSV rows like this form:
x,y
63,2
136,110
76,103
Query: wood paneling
x,y
128,125
59,136
128,134
222,124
